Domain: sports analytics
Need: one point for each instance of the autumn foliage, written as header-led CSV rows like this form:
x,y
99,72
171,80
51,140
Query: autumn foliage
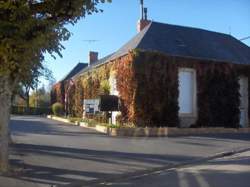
x,y
147,83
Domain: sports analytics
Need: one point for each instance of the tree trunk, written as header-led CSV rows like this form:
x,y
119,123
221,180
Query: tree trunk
x,y
5,103
27,103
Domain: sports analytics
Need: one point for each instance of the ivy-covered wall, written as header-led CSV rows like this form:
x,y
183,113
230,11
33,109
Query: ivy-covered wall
x,y
78,98
156,97
126,86
90,85
245,71
96,82
153,96
218,96
57,93
217,91
147,83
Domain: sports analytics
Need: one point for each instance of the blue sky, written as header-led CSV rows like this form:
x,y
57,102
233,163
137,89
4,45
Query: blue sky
x,y
117,24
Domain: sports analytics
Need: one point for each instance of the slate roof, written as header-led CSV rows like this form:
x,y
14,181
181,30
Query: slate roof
x,y
186,42
75,70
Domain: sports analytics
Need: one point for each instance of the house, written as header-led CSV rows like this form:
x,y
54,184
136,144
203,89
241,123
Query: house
x,y
169,75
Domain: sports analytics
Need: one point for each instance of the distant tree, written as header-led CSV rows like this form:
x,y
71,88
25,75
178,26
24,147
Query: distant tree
x,y
31,83
28,29
40,98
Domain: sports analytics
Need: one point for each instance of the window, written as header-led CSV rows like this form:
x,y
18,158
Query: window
x,y
113,85
187,91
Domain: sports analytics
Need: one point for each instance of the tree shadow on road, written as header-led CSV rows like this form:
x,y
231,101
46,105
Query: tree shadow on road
x,y
224,136
25,126
224,174
106,164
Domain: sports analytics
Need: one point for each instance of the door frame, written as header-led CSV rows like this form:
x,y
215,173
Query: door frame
x,y
244,105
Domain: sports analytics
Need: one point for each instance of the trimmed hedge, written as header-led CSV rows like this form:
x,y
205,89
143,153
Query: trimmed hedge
x,y
57,109
23,110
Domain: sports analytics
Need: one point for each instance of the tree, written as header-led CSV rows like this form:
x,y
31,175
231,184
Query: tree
x,y
28,29
40,98
31,82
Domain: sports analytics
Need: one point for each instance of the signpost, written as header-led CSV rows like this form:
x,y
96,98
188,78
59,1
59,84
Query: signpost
x,y
106,103
109,103
91,106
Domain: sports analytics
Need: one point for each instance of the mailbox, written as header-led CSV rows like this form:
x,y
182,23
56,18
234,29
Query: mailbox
x,y
109,103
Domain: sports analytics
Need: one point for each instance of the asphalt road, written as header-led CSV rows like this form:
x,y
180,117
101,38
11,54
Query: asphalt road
x,y
50,152
232,171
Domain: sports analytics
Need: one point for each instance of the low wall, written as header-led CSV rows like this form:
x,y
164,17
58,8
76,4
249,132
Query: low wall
x,y
186,121
62,120
155,132
161,132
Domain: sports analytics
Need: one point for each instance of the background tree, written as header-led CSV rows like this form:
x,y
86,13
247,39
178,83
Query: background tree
x,y
28,29
31,82
40,98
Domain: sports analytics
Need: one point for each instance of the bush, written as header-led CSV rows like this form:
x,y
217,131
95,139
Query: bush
x,y
57,109
22,110
100,118
75,119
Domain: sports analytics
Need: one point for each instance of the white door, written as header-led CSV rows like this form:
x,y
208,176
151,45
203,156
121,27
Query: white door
x,y
113,91
187,92
243,81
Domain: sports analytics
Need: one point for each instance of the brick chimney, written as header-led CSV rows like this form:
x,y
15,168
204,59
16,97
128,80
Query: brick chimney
x,y
143,22
93,57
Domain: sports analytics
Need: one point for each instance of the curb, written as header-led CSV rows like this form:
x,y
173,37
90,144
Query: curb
x,y
151,131
140,174
97,128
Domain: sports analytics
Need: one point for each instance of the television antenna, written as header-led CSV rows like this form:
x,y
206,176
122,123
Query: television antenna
x,y
91,41
245,38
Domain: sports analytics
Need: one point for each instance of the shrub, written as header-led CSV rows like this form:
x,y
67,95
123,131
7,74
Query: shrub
x,y
105,87
57,109
100,118
73,119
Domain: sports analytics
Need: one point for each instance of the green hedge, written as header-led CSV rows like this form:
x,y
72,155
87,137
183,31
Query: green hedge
x,y
57,109
21,110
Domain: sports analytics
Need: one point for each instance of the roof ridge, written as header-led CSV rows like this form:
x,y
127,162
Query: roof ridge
x,y
75,68
191,27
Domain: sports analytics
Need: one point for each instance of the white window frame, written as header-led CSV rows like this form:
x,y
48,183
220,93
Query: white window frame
x,y
194,104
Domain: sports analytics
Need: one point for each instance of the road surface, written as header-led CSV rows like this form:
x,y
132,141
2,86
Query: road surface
x,y
232,171
50,152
